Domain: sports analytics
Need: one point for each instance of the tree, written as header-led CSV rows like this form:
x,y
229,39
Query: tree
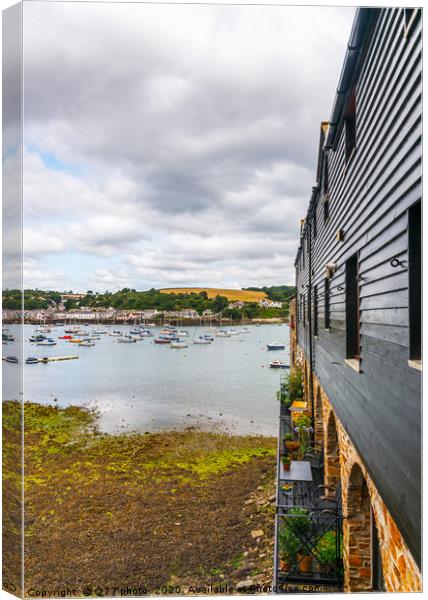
x,y
219,303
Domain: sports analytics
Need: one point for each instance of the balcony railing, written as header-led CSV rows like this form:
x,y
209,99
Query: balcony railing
x,y
308,521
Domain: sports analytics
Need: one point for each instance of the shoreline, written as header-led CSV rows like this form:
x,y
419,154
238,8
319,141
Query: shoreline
x,y
154,499
203,322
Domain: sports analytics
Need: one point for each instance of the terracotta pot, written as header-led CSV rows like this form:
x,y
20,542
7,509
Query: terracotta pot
x,y
286,466
292,445
305,563
284,564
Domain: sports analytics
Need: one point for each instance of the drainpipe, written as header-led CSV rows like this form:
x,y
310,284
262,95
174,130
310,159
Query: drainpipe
x,y
311,381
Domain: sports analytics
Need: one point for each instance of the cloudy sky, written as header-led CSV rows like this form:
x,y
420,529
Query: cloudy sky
x,y
172,145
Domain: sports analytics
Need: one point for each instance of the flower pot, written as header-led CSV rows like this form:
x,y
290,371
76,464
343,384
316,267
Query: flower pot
x,y
286,466
305,563
284,564
292,445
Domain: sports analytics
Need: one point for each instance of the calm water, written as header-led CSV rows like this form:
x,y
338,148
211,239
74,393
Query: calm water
x,y
149,387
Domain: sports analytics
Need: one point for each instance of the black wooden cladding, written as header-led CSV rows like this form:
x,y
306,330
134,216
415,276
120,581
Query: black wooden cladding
x,y
373,196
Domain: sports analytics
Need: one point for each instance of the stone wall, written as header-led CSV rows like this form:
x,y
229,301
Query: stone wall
x,y
361,503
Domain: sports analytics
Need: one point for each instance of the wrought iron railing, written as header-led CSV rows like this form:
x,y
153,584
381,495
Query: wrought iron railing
x,y
308,525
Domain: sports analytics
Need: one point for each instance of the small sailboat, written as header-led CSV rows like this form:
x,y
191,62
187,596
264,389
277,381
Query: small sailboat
x,y
127,339
178,345
222,334
201,340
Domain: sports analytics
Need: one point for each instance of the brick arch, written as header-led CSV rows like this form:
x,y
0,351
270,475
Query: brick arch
x,y
331,453
357,534
319,426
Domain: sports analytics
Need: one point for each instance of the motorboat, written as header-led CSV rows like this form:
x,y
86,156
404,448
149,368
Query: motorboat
x,y
47,342
39,337
162,340
245,330
277,364
11,359
276,346
31,360
209,337
233,332
6,336
87,343
65,337
183,333
76,340
127,339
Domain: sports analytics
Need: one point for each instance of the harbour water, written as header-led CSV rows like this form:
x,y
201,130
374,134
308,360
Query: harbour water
x,y
226,385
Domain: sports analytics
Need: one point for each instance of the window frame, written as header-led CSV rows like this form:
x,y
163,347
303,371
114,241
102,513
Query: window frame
x,y
352,306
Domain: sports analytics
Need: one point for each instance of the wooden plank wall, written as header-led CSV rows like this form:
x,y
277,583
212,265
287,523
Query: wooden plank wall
x,y
369,198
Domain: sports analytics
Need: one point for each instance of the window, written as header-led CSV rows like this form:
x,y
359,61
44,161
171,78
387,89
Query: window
x,y
326,210
414,233
303,251
350,129
304,311
327,303
352,309
325,175
314,219
315,310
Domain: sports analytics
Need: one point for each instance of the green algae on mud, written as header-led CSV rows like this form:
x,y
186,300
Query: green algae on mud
x,y
154,500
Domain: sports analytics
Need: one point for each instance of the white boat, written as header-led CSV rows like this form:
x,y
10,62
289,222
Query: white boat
x,y
201,340
233,332
87,343
208,336
178,345
223,334
115,333
245,330
127,340
183,333
277,364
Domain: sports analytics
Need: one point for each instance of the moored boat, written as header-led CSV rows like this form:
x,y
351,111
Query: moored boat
x,y
162,341
87,343
11,359
47,342
31,360
178,345
277,364
276,346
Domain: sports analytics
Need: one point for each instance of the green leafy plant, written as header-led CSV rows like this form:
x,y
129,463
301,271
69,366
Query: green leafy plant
x,y
288,543
304,429
326,551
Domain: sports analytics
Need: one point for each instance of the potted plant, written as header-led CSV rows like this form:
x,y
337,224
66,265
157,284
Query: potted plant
x,y
304,430
326,549
286,461
290,443
288,543
302,521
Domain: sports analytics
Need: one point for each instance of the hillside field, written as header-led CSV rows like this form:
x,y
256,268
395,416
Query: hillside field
x,y
232,295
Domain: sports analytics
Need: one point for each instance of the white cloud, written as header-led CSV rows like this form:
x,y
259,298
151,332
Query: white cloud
x,y
178,142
